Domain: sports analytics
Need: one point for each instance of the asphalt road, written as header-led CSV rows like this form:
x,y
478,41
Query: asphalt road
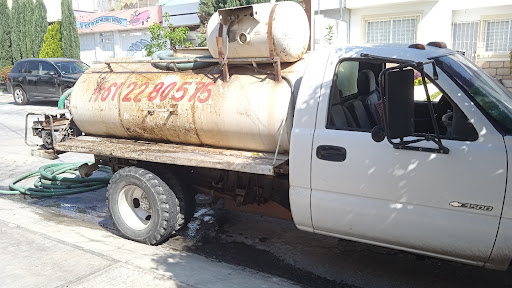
x,y
260,243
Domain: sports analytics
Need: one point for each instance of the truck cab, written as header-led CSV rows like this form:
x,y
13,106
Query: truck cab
x,y
440,189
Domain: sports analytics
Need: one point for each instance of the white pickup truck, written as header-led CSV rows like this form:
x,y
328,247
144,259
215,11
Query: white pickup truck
x,y
437,186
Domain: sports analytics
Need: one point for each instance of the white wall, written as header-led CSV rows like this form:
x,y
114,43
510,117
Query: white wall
x,y
131,43
454,4
358,4
126,44
434,25
340,28
88,46
475,14
327,4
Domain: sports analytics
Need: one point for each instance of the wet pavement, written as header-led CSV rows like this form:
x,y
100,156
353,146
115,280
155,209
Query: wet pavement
x,y
259,243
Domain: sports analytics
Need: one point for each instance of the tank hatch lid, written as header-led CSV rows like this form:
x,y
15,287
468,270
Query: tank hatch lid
x,y
178,154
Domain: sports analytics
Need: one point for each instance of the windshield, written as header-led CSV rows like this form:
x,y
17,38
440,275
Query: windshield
x,y
492,97
69,67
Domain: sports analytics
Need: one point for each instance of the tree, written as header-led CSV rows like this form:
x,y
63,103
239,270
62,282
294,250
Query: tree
x,y
27,51
40,27
165,38
16,32
5,35
70,40
52,45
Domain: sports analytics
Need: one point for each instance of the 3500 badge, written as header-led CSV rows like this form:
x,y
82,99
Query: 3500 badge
x,y
136,91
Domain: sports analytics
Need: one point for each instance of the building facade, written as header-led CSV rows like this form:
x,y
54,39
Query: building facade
x,y
124,32
482,29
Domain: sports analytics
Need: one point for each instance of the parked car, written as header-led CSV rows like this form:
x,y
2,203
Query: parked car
x,y
43,78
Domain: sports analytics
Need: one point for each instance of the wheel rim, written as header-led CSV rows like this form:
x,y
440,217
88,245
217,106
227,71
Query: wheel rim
x,y
18,95
134,207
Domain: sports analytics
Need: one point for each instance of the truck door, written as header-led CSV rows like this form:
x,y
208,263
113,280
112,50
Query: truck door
x,y
447,205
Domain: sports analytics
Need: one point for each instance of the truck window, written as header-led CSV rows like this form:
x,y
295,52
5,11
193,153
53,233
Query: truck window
x,y
347,77
494,99
355,98
419,91
355,104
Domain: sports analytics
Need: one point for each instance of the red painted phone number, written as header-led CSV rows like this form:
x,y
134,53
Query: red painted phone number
x,y
202,93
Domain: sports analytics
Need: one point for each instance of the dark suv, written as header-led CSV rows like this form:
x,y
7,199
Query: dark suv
x,y
43,78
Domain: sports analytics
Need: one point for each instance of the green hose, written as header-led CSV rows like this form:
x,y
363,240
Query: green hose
x,y
49,183
63,98
169,55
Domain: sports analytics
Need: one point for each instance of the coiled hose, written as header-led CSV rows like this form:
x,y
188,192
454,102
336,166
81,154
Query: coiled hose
x,y
49,183
169,55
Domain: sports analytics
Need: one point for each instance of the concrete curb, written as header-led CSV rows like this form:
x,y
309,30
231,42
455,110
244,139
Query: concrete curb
x,y
60,251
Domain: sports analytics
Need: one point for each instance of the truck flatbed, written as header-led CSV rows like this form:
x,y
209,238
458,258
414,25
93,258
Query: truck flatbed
x,y
178,154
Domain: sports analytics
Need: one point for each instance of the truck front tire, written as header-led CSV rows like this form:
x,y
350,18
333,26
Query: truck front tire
x,y
144,208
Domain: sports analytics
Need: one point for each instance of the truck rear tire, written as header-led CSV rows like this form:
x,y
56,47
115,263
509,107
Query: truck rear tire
x,y
185,198
144,208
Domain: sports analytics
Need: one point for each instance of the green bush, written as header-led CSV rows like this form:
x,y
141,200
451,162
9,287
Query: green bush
x,y
419,82
52,45
510,54
435,95
165,38
3,73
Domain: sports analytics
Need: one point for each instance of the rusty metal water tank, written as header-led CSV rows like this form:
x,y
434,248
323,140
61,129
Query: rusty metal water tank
x,y
138,101
261,31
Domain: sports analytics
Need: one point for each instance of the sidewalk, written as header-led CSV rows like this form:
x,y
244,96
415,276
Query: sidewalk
x,y
41,249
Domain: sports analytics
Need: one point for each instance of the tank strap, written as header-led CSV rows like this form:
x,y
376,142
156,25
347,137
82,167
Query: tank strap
x,y
270,36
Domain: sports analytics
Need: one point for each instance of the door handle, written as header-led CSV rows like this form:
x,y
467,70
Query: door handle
x,y
331,153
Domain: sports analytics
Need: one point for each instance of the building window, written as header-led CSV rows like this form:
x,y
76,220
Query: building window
x,y
465,38
392,30
498,36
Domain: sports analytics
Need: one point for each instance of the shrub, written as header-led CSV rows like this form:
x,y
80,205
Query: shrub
x,y
510,61
3,73
165,38
52,45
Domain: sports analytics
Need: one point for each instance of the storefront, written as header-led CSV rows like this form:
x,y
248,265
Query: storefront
x,y
117,34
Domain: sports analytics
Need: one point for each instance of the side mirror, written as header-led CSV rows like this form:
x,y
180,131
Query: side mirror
x,y
52,73
399,103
